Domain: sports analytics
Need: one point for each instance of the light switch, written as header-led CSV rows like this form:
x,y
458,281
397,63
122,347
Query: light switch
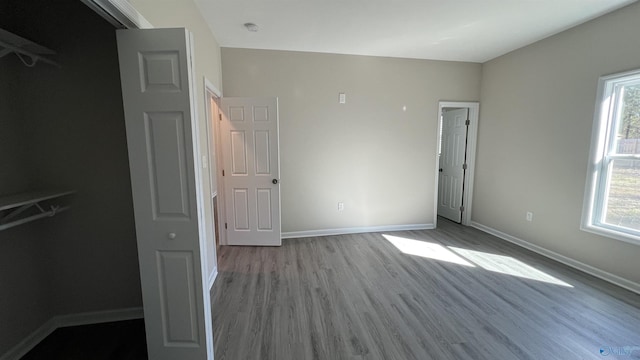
x,y
343,98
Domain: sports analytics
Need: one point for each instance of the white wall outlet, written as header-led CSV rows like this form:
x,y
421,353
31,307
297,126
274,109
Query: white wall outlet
x,y
529,216
340,206
342,97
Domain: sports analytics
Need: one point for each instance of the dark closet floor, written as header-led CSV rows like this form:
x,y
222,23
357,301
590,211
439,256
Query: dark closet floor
x,y
122,340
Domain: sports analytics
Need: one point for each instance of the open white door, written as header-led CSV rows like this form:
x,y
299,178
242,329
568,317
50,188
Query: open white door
x,y
452,163
249,132
157,90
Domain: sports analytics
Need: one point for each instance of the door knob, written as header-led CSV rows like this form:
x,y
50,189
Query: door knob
x,y
274,181
171,236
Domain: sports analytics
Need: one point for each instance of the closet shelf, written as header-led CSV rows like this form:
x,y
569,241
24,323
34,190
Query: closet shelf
x,y
22,208
23,48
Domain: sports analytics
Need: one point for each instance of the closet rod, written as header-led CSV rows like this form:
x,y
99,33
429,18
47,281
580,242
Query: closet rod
x,y
34,57
34,217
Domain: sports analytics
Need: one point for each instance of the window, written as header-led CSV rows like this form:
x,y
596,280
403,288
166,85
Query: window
x,y
612,197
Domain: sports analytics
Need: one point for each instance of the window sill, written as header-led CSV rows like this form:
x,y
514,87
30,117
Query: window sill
x,y
610,233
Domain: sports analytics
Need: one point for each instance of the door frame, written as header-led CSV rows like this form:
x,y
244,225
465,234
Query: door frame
x,y
211,92
119,13
472,138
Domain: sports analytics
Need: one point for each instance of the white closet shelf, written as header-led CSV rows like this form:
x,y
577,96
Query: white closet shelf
x,y
22,208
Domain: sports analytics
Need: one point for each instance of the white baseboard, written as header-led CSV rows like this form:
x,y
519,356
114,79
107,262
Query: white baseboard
x,y
599,273
96,317
28,343
212,277
355,230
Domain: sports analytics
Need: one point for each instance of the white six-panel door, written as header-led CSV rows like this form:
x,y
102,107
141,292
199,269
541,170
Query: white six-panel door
x,y
249,132
452,158
157,87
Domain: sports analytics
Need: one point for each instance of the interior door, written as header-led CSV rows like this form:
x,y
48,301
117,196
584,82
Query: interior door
x,y
158,98
249,132
452,163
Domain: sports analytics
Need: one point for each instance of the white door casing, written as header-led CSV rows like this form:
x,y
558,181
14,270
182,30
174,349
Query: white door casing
x,y
162,140
452,159
472,136
249,132
211,95
213,98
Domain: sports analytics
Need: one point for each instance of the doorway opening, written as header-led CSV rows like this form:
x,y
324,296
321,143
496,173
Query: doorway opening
x,y
212,101
455,164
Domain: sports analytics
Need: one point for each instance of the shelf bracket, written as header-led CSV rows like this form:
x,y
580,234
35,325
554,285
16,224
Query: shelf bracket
x,y
23,48
23,208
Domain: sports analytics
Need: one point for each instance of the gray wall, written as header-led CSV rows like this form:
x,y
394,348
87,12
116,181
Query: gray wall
x,y
64,128
24,279
537,107
368,153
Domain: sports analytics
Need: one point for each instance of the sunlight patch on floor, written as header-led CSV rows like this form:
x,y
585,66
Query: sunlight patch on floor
x,y
426,249
490,262
507,265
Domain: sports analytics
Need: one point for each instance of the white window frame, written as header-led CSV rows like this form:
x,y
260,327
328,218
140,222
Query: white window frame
x,y
602,141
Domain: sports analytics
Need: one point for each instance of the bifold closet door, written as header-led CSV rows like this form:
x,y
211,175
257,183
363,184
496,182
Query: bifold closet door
x,y
157,87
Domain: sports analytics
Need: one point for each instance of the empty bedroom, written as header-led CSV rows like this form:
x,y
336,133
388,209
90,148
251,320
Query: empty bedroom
x,y
319,180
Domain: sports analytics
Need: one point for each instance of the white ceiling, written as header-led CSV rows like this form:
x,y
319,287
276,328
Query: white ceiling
x,y
459,30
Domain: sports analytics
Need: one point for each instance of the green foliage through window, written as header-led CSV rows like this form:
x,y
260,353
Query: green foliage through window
x,y
630,124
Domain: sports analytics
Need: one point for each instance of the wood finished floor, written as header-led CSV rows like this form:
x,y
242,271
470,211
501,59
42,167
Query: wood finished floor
x,y
360,297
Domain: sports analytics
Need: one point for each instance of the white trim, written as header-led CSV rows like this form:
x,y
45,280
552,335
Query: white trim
x,y
593,201
208,85
200,200
472,138
611,233
211,92
28,343
96,317
355,230
436,173
119,13
212,277
599,273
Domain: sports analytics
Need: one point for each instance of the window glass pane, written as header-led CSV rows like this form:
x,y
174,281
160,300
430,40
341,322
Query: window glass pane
x,y
628,134
623,200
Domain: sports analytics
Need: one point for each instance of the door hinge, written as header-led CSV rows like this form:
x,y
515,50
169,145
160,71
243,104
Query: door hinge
x,y
222,172
220,116
468,122
225,226
464,166
461,208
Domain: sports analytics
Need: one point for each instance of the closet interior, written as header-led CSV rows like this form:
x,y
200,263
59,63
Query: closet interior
x,y
67,234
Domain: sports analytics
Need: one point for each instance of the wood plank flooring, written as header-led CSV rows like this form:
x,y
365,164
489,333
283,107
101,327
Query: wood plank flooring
x,y
360,297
